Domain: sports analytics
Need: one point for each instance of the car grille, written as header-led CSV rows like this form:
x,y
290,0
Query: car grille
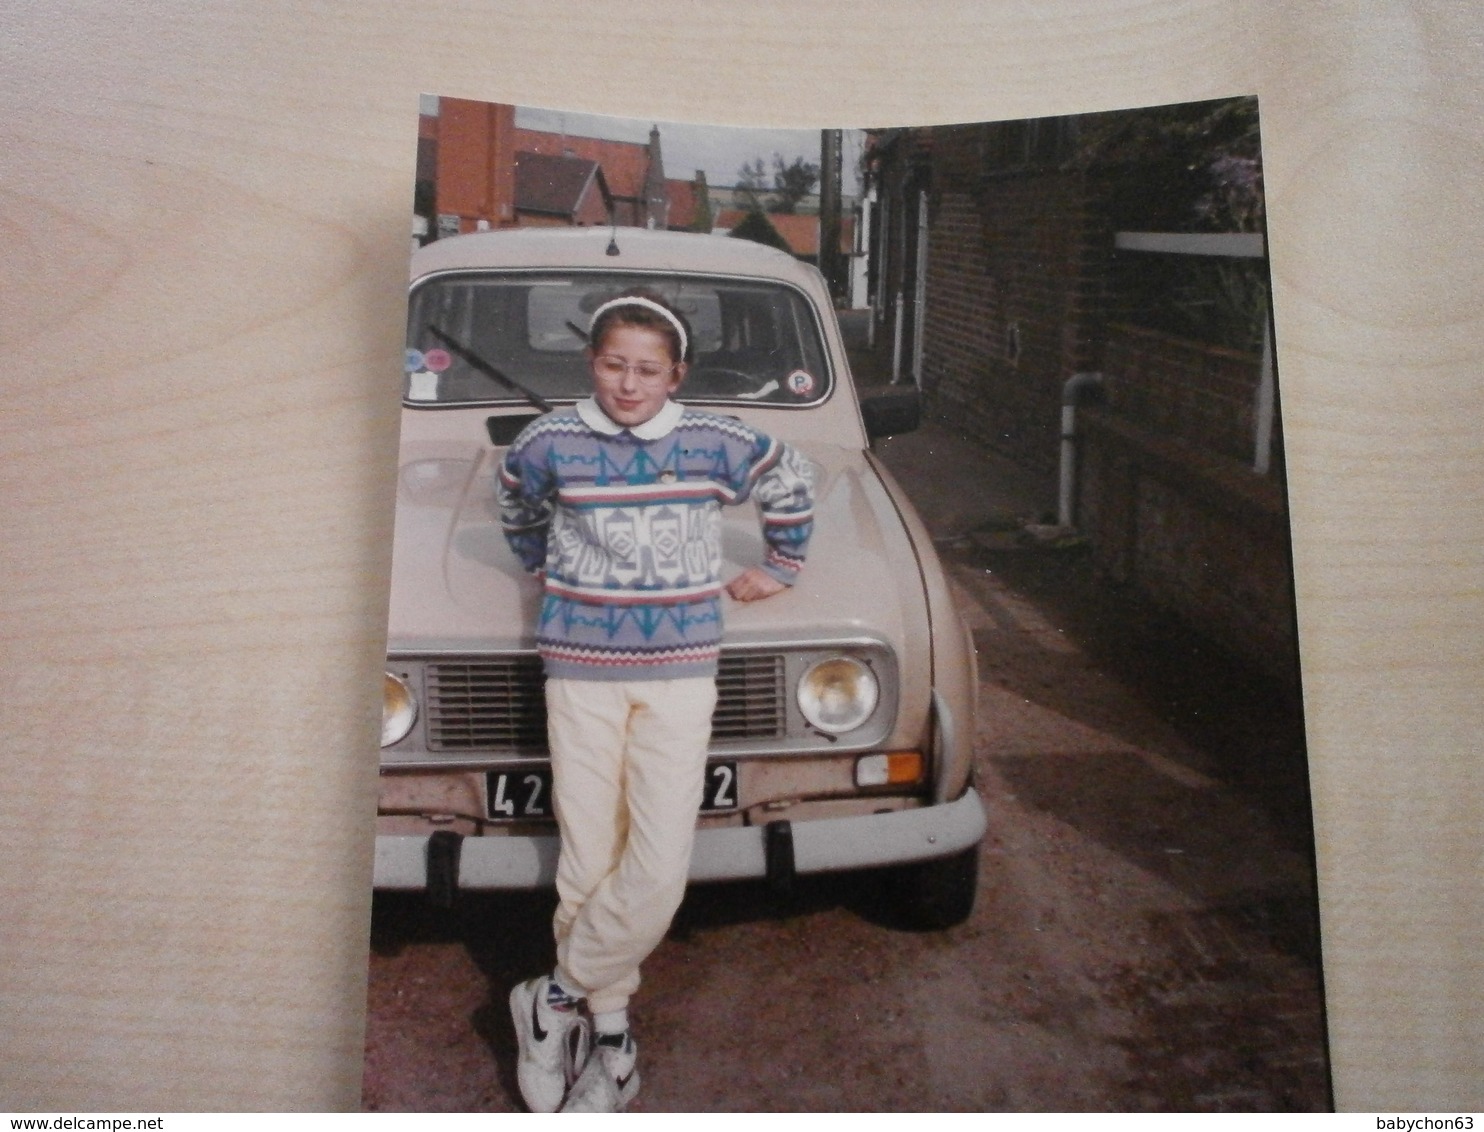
x,y
500,705
487,705
749,698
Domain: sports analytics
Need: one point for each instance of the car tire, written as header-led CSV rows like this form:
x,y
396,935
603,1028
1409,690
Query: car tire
x,y
939,894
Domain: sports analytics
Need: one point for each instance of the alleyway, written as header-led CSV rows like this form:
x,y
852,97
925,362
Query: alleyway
x,y
1150,807
1144,937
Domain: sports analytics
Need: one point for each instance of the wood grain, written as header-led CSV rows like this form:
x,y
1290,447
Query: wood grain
x,y
204,212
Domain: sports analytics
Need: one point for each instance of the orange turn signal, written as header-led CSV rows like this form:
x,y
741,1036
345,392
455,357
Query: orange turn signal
x,y
889,768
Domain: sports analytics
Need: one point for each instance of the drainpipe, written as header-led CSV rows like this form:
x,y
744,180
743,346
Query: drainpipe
x,y
919,289
896,340
1071,392
1262,457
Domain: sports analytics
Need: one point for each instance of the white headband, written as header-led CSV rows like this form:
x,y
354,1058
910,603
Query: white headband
x,y
648,304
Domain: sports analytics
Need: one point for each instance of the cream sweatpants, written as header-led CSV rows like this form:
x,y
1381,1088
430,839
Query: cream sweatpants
x,y
628,764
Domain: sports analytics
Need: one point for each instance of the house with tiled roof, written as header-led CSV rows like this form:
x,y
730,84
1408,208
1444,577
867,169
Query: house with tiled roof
x,y
798,231
477,169
681,197
633,173
691,208
553,190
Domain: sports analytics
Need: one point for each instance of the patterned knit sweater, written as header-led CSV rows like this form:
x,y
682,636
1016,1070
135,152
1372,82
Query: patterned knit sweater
x,y
625,526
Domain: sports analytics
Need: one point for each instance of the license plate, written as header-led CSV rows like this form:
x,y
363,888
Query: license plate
x,y
525,795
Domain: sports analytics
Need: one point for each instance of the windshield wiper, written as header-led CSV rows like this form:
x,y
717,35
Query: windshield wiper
x,y
490,371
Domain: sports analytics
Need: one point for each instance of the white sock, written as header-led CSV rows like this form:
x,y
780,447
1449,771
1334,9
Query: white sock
x,y
611,1021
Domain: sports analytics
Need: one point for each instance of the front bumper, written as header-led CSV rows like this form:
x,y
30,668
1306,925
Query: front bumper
x,y
725,853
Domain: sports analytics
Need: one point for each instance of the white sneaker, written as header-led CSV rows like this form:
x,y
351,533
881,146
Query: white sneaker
x,y
610,1079
553,1037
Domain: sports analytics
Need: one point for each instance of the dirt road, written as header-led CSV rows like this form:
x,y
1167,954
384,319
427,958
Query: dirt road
x,y
1144,937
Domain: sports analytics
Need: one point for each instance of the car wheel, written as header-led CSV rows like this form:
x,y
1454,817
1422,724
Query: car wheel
x,y
938,894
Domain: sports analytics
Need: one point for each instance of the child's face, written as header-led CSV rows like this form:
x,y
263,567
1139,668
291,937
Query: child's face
x,y
627,396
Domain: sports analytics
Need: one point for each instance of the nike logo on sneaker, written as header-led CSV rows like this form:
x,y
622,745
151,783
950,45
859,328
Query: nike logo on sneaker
x,y
623,1082
536,1022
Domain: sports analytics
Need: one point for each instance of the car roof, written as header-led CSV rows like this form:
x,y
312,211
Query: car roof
x,y
639,249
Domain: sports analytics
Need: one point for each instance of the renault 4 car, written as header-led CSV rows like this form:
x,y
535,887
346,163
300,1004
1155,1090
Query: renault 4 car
x,y
842,737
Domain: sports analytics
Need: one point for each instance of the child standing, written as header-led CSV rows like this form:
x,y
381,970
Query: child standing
x,y
616,504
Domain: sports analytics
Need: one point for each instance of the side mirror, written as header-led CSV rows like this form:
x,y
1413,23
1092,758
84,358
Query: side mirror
x,y
890,411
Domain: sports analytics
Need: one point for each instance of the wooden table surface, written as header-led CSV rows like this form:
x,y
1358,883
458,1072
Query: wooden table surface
x,y
205,214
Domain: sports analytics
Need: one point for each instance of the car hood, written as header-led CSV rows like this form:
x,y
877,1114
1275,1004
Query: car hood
x,y
456,586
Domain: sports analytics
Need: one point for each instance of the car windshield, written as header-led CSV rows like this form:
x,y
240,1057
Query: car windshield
x,y
754,341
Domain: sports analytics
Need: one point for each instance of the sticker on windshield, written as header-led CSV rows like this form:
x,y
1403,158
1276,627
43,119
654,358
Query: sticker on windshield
x,y
413,361
759,394
437,360
800,383
422,386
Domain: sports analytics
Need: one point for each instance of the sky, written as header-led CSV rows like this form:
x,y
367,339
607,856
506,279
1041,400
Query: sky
x,y
688,146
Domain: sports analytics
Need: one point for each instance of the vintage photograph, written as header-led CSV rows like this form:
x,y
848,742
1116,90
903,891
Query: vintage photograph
x,y
841,646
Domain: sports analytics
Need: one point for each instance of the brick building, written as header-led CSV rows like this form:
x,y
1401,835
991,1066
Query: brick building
x,y
998,272
796,232
468,150
690,204
560,191
634,173
476,169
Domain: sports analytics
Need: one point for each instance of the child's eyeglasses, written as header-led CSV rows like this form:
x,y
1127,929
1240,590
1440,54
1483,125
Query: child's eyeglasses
x,y
613,369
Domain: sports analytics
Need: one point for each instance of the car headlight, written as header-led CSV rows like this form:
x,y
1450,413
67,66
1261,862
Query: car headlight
x,y
838,694
398,710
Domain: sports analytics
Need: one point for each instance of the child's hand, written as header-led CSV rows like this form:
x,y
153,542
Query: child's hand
x,y
753,585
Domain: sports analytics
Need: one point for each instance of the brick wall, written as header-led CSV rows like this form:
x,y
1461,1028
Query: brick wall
x,y
1205,395
476,162
1015,304
1014,288
1198,532
1170,501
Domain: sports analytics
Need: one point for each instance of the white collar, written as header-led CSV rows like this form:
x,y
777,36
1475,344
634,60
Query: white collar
x,y
657,426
